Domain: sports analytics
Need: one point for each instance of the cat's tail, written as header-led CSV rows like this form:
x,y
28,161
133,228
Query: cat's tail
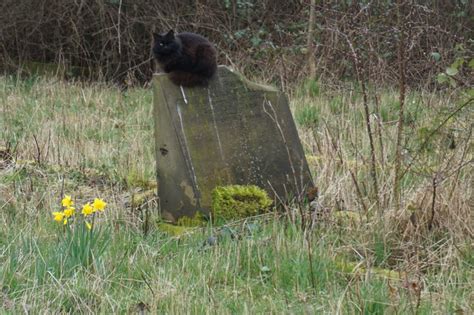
x,y
188,79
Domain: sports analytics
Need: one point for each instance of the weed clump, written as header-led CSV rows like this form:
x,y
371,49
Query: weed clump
x,y
237,201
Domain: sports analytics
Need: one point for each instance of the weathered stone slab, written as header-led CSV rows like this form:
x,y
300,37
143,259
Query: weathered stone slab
x,y
232,132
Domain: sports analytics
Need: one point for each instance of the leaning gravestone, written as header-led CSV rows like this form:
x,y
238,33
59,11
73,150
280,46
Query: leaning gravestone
x,y
231,132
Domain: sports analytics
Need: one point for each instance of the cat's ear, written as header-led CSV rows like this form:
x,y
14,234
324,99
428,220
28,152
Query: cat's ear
x,y
157,37
170,34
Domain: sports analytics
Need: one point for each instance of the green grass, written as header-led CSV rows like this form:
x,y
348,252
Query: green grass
x,y
92,140
265,272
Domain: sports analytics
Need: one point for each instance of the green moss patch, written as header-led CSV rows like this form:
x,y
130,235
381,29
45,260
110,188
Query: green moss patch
x,y
236,201
174,230
197,220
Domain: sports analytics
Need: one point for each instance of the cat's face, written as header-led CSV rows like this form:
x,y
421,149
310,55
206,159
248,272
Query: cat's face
x,y
165,44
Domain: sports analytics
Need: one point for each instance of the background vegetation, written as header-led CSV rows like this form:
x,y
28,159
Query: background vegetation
x,y
269,39
382,96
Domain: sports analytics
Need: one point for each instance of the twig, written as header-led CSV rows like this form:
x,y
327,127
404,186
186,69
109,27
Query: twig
x,y
310,39
118,28
310,259
398,147
373,171
433,201
147,283
38,151
379,129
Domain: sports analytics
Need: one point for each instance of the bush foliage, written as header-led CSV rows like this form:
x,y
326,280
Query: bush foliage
x,y
112,39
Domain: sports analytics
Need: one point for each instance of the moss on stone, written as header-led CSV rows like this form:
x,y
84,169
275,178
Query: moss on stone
x,y
197,220
356,268
141,198
173,230
237,201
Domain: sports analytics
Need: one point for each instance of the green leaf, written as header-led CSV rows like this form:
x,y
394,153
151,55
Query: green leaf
x,y
470,92
240,33
457,63
442,78
452,82
256,41
436,56
459,48
471,63
451,71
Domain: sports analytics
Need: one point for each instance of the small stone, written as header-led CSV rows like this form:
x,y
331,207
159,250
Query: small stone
x,y
210,241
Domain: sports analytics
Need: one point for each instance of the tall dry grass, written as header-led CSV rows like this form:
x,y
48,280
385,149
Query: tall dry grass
x,y
93,140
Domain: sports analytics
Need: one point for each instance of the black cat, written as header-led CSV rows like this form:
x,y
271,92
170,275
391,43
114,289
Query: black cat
x,y
189,58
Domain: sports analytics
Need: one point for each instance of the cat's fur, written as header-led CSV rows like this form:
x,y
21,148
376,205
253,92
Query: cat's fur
x,y
188,58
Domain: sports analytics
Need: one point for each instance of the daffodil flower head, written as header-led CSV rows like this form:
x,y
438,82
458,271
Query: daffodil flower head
x,y
69,212
58,216
87,209
67,201
99,204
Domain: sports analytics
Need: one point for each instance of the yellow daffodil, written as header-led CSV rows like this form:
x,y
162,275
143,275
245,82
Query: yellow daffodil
x,y
67,201
69,212
65,221
58,216
88,225
99,204
87,209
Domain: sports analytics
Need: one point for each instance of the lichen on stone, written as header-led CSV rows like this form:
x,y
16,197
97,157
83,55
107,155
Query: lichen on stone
x,y
238,201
